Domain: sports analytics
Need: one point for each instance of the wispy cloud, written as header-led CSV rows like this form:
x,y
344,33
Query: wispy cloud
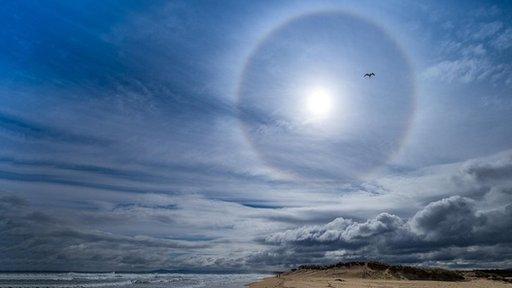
x,y
472,50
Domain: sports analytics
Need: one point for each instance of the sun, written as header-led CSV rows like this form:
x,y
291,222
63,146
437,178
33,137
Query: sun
x,y
319,103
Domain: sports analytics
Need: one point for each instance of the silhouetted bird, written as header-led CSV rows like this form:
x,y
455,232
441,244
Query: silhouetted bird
x,y
369,75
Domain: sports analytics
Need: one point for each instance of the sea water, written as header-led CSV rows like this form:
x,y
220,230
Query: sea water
x,y
132,280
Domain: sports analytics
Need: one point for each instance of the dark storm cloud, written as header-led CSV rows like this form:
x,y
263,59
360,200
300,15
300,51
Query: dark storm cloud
x,y
452,224
498,170
451,218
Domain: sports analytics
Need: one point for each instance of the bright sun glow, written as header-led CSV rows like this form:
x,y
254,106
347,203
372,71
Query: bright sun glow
x,y
319,103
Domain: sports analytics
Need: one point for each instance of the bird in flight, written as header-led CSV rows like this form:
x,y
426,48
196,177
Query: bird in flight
x,y
369,75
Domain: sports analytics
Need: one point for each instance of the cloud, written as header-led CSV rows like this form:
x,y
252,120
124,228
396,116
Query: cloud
x,y
466,230
449,224
472,50
28,130
340,231
441,215
486,30
465,70
490,171
32,239
504,40
449,217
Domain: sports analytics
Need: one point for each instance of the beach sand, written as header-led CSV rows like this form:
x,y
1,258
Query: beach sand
x,y
294,281
378,275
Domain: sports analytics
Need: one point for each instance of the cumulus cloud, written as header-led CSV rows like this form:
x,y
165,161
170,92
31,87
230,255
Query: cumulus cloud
x,y
452,231
452,217
340,231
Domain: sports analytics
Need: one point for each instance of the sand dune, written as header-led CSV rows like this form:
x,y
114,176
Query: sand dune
x,y
314,282
375,275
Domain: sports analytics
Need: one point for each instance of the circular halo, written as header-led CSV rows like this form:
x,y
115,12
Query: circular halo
x,y
305,108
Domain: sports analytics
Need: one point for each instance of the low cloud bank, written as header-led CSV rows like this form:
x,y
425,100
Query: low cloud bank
x,y
450,231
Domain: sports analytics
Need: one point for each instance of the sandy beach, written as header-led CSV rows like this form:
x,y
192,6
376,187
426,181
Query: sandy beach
x,y
328,282
378,275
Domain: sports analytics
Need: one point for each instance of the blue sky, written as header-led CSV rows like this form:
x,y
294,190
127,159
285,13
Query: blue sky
x,y
181,135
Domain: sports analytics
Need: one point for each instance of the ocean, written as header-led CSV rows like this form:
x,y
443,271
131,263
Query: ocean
x,y
132,280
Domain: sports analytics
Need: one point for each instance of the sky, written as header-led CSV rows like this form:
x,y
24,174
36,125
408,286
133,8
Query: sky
x,y
233,136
